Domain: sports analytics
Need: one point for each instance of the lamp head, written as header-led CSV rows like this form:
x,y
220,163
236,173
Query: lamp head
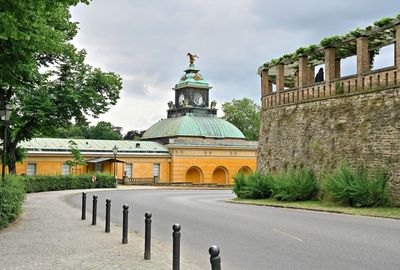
x,y
115,150
5,113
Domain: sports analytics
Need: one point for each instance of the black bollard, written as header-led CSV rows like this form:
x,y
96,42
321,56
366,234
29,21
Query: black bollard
x,y
108,213
147,236
125,224
176,237
83,206
215,260
94,212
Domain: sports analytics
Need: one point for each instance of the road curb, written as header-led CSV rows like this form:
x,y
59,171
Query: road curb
x,y
310,209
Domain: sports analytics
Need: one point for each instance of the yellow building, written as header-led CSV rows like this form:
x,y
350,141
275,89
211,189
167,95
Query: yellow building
x,y
191,145
136,159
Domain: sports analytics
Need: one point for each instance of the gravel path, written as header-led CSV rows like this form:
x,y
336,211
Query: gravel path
x,y
50,235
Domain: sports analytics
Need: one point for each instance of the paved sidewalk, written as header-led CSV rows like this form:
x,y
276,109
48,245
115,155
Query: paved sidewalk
x,y
50,235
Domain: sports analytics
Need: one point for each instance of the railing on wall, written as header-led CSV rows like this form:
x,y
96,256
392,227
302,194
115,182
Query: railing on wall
x,y
375,79
140,181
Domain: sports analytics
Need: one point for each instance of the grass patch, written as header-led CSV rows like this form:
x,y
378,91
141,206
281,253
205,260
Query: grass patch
x,y
316,205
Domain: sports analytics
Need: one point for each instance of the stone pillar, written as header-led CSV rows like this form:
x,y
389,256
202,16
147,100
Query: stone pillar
x,y
397,49
280,77
296,79
265,84
311,74
303,71
362,55
337,68
330,63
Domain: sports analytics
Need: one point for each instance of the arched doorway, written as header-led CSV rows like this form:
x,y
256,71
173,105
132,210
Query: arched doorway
x,y
220,176
194,175
245,170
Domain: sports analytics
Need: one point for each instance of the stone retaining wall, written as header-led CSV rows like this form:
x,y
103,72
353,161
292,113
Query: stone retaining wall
x,y
360,127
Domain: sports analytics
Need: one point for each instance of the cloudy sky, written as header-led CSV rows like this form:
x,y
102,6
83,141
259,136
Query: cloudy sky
x,y
146,41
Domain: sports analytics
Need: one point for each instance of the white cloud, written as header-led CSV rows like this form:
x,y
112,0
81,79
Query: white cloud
x,y
147,41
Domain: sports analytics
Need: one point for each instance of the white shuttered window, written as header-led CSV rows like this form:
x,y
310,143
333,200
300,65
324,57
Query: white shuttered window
x,y
128,169
156,169
66,169
31,169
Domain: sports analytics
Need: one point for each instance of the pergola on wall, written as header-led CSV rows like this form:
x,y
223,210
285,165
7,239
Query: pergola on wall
x,y
293,74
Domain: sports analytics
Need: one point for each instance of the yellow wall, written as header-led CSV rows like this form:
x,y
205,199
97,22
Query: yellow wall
x,y
213,163
142,166
216,165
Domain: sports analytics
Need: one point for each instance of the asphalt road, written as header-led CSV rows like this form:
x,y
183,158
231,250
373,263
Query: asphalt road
x,y
257,237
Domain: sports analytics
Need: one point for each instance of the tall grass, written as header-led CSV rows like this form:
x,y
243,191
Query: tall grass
x,y
295,185
357,187
252,186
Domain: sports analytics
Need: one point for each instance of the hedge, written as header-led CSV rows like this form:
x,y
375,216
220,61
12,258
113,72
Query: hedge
x,y
13,189
12,195
39,183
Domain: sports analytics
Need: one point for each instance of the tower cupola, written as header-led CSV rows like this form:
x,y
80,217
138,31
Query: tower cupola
x,y
191,94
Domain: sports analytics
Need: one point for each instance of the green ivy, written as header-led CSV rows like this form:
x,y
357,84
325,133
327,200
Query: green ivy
x,y
331,41
356,32
384,21
343,49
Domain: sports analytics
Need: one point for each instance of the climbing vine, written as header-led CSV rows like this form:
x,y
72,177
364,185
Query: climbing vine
x,y
345,45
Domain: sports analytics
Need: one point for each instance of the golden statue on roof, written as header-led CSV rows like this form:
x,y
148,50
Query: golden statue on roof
x,y
192,57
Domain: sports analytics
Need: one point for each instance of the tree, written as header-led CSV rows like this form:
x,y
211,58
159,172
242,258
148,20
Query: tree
x,y
245,115
101,131
104,131
77,159
42,75
134,134
77,131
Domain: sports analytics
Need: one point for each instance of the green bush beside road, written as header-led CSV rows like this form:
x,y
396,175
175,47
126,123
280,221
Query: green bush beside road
x,y
41,183
12,195
13,189
253,186
357,188
344,186
295,185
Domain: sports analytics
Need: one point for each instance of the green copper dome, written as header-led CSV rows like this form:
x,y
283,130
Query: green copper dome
x,y
196,126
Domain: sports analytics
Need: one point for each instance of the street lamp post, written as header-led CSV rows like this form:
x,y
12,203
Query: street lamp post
x,y
115,152
5,114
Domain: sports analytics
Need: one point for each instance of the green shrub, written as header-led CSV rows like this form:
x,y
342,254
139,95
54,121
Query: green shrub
x,y
339,88
252,186
295,185
12,195
39,183
358,188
